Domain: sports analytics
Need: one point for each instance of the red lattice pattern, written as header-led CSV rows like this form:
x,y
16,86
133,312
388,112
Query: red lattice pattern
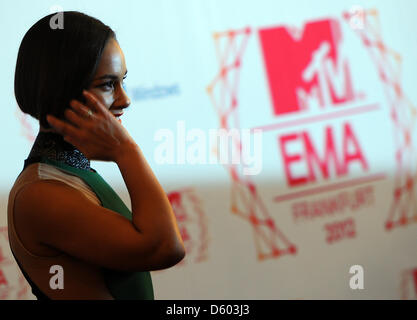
x,y
246,202
403,115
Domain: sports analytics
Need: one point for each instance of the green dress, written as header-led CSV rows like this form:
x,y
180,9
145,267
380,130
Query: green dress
x,y
121,284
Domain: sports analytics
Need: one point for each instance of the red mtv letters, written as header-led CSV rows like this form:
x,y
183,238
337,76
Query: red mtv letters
x,y
305,68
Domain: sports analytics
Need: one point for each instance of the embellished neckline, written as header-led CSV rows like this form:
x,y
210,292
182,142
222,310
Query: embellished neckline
x,y
52,146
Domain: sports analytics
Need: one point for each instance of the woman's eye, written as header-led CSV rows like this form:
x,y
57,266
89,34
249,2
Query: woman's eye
x,y
108,84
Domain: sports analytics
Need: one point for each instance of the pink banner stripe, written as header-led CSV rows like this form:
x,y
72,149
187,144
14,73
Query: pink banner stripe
x,y
330,187
328,116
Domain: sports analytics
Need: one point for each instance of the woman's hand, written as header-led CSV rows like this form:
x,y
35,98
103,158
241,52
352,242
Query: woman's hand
x,y
98,135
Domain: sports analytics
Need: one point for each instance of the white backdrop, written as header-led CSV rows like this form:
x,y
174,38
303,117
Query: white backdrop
x,y
331,86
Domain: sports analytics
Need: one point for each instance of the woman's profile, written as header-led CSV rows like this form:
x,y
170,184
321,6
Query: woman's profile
x,y
61,212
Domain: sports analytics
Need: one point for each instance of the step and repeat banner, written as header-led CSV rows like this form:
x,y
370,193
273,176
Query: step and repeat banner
x,y
284,133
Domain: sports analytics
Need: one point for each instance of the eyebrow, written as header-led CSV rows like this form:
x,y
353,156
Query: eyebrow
x,y
109,76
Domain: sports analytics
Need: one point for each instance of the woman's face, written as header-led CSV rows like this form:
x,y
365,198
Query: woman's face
x,y
107,83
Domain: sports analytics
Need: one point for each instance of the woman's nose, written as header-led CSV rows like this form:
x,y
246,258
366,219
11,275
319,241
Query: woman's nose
x,y
123,99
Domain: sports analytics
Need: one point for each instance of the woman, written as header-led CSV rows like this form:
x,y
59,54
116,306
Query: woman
x,y
60,211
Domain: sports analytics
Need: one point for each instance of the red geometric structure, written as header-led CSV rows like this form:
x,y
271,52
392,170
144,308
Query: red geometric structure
x,y
409,284
192,223
26,129
12,283
246,202
403,114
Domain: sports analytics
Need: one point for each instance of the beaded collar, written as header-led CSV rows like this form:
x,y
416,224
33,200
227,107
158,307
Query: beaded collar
x,y
52,146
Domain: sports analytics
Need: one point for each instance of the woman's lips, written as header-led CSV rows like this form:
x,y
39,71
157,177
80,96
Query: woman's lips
x,y
117,114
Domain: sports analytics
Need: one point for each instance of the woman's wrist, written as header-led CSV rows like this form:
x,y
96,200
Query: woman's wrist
x,y
126,151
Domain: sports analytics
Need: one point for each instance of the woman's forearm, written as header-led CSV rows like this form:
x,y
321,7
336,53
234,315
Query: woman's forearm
x,y
152,212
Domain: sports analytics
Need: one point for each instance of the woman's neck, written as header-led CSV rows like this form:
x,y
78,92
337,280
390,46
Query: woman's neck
x,y
51,145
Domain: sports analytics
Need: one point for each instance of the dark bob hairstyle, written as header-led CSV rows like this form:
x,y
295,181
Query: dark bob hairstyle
x,y
55,65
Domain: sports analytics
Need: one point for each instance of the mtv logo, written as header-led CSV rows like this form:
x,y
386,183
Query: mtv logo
x,y
305,68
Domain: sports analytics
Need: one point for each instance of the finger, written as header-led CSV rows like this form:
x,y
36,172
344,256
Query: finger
x,y
75,118
94,102
65,129
80,109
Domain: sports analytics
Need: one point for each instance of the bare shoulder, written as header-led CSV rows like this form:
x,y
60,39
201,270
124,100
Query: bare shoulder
x,y
40,198
32,204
